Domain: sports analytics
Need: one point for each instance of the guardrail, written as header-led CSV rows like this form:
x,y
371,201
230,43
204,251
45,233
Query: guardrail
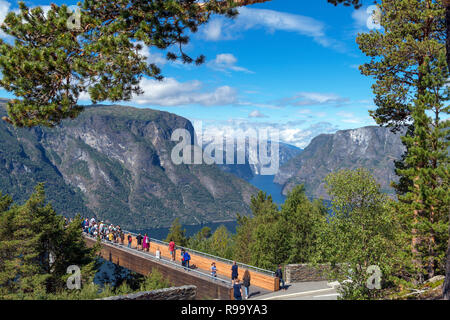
x,y
243,265
161,260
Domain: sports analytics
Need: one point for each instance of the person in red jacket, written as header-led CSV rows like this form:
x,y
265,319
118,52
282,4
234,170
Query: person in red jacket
x,y
172,249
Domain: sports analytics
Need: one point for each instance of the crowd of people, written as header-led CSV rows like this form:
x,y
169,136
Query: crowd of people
x,y
115,234
103,231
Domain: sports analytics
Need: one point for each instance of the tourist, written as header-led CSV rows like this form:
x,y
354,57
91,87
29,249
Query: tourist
x,y
182,258
246,283
187,258
234,271
145,244
148,243
158,253
111,236
279,274
122,236
213,269
86,225
237,290
139,241
130,240
172,249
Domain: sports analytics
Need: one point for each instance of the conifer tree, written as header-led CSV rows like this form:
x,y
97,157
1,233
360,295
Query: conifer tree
x,y
427,167
408,63
302,221
36,247
53,60
177,234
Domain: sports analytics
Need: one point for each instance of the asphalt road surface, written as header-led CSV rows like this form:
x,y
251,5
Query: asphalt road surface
x,y
317,290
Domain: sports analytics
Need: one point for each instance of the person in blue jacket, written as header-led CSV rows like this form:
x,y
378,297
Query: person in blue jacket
x,y
234,271
187,258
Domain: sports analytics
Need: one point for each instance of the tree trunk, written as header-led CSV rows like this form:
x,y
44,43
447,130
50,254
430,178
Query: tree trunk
x,y
446,289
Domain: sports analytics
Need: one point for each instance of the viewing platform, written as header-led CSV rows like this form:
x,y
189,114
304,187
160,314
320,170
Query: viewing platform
x,y
199,274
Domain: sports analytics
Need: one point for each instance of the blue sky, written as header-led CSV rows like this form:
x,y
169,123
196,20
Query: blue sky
x,y
288,64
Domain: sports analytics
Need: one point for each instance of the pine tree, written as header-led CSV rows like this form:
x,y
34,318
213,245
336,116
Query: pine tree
x,y
177,234
407,60
221,243
243,239
52,62
427,167
36,247
302,221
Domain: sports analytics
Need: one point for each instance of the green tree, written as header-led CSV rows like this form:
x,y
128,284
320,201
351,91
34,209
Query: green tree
x,y
268,247
243,239
408,63
302,221
259,241
355,3
412,31
51,61
36,247
154,281
200,241
362,232
221,243
177,234
427,162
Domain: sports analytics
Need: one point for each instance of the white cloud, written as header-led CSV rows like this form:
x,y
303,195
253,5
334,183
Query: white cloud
x,y
256,114
225,62
314,98
170,92
152,57
213,30
351,118
360,17
270,20
363,19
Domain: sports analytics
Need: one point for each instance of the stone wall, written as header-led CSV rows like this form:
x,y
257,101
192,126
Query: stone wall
x,y
173,293
304,272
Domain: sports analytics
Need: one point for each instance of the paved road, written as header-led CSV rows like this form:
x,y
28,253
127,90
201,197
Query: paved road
x,y
317,290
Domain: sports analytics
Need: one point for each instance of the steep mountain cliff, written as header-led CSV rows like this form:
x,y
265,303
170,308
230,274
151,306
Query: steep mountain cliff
x,y
374,148
114,162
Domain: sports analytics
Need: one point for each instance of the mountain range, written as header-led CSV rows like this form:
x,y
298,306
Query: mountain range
x,y
251,166
114,163
372,147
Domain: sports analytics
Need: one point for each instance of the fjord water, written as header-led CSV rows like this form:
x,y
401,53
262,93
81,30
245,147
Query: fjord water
x,y
266,184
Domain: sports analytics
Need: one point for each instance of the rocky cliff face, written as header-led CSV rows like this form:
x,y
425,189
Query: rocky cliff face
x,y
114,162
374,148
